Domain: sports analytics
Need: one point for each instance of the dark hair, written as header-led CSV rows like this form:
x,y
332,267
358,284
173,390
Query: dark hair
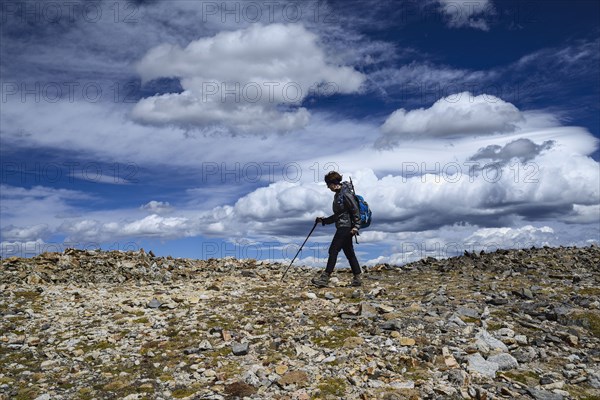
x,y
333,177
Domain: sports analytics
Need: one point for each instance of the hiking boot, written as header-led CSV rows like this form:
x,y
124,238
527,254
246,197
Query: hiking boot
x,y
356,281
322,280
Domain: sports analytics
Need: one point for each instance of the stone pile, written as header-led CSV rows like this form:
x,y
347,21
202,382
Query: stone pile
x,y
116,267
512,324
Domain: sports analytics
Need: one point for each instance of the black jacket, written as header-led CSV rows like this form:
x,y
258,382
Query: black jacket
x,y
345,209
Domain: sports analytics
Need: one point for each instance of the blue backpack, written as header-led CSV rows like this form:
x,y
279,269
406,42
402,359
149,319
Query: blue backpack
x,y
363,208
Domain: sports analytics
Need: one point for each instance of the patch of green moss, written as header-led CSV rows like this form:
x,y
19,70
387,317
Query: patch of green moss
x,y
335,339
320,319
220,322
117,385
145,370
85,394
500,314
230,370
592,291
172,332
588,320
183,392
102,345
8,356
274,289
215,355
121,319
581,392
469,320
27,393
416,375
29,295
147,388
335,387
397,394
535,259
117,388
528,378
494,326
65,385
144,320
272,357
155,345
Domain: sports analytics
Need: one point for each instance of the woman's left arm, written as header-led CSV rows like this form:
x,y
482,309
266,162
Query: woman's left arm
x,y
352,207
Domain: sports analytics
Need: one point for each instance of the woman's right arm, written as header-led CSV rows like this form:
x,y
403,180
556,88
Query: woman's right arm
x,y
328,220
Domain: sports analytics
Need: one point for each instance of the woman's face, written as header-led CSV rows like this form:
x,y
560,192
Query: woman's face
x,y
333,186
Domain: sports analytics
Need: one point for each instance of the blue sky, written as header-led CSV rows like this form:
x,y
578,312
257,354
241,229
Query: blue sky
x,y
203,129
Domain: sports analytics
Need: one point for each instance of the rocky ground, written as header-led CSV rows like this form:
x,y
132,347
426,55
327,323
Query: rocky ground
x,y
519,324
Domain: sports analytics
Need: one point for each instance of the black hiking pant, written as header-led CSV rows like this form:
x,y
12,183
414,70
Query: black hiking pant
x,y
342,240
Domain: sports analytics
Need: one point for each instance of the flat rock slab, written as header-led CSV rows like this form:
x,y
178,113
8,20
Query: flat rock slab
x,y
480,365
544,395
504,361
367,310
491,341
467,312
392,325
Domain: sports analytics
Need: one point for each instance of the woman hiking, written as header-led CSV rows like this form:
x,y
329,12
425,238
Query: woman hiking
x,y
347,222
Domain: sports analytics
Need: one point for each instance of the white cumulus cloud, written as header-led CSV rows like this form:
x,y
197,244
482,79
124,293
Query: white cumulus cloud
x,y
584,214
241,79
459,114
94,230
33,232
157,207
521,237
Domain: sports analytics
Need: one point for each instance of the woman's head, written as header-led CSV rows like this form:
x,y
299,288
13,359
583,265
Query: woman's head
x,y
333,180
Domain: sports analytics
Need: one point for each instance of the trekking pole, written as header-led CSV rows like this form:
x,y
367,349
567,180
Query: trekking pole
x,y
300,249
